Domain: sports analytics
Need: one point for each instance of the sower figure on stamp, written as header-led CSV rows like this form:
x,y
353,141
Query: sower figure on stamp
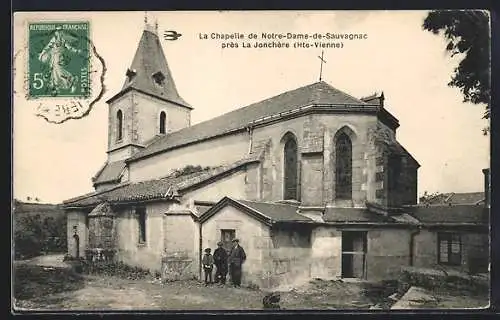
x,y
220,260
236,258
208,264
54,55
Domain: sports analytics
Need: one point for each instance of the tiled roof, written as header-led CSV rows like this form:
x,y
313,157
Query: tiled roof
x,y
316,93
268,213
471,198
148,60
275,211
163,188
111,172
339,215
450,214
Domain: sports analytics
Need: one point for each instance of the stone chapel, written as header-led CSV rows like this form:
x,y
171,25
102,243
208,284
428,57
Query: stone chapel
x,y
312,181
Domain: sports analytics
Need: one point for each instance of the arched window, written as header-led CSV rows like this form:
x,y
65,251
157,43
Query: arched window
x,y
163,118
343,170
119,125
290,169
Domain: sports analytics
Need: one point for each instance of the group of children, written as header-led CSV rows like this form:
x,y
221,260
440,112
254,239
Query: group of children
x,y
222,261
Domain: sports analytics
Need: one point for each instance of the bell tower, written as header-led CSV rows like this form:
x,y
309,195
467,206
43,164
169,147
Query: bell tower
x,y
148,105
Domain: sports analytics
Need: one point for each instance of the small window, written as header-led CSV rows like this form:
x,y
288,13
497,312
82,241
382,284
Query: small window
x,y
227,236
159,78
450,249
163,118
141,219
119,125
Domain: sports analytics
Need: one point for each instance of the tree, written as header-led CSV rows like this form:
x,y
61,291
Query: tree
x,y
467,32
429,198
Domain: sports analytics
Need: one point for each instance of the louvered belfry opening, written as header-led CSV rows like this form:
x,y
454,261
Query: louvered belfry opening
x,y
163,119
343,167
119,125
290,169
102,233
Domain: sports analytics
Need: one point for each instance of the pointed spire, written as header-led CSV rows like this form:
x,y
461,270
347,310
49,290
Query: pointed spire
x,y
149,71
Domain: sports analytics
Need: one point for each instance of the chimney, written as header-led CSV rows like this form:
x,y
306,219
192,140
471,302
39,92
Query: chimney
x,y
487,187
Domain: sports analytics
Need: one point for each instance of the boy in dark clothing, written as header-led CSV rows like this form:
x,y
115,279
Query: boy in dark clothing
x,y
208,264
220,260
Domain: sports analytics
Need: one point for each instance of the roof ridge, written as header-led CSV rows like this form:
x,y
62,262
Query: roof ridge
x,y
95,193
243,116
274,203
343,92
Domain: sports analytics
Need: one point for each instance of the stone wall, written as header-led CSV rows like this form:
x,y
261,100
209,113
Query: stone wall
x,y
476,252
146,255
147,117
315,136
224,150
425,249
180,259
381,172
125,104
326,253
77,218
253,235
475,249
231,186
286,259
388,250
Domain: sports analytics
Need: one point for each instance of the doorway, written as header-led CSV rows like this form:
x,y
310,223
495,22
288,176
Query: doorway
x,y
354,247
227,236
76,246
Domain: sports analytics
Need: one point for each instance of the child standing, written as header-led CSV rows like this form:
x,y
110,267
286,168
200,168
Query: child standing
x,y
208,265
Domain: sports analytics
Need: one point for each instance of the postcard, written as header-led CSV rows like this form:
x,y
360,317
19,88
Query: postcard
x,y
249,160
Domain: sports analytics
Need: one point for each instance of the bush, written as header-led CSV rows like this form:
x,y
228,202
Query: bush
x,y
116,269
34,235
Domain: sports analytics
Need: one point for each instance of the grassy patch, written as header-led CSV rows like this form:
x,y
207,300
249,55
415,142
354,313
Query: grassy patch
x,y
32,281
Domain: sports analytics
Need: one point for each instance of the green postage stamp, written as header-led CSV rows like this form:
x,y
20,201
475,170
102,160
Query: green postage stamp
x,y
57,70
58,59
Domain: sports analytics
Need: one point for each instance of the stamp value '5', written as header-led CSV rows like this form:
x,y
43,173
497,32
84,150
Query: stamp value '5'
x,y
59,58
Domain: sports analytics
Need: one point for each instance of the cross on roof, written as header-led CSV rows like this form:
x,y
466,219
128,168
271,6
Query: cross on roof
x,y
321,65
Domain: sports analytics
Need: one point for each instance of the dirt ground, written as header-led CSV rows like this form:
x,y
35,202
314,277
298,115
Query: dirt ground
x,y
46,284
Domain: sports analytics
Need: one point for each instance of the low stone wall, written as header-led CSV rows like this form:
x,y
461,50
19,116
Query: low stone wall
x,y
434,278
177,267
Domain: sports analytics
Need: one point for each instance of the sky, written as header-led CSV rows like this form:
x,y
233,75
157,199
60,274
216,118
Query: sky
x,y
54,162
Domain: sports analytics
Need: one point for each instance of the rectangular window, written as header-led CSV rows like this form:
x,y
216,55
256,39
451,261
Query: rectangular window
x,y
450,249
227,236
141,219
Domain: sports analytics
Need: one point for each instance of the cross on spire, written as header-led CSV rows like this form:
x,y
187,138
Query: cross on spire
x,y
321,65
148,26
